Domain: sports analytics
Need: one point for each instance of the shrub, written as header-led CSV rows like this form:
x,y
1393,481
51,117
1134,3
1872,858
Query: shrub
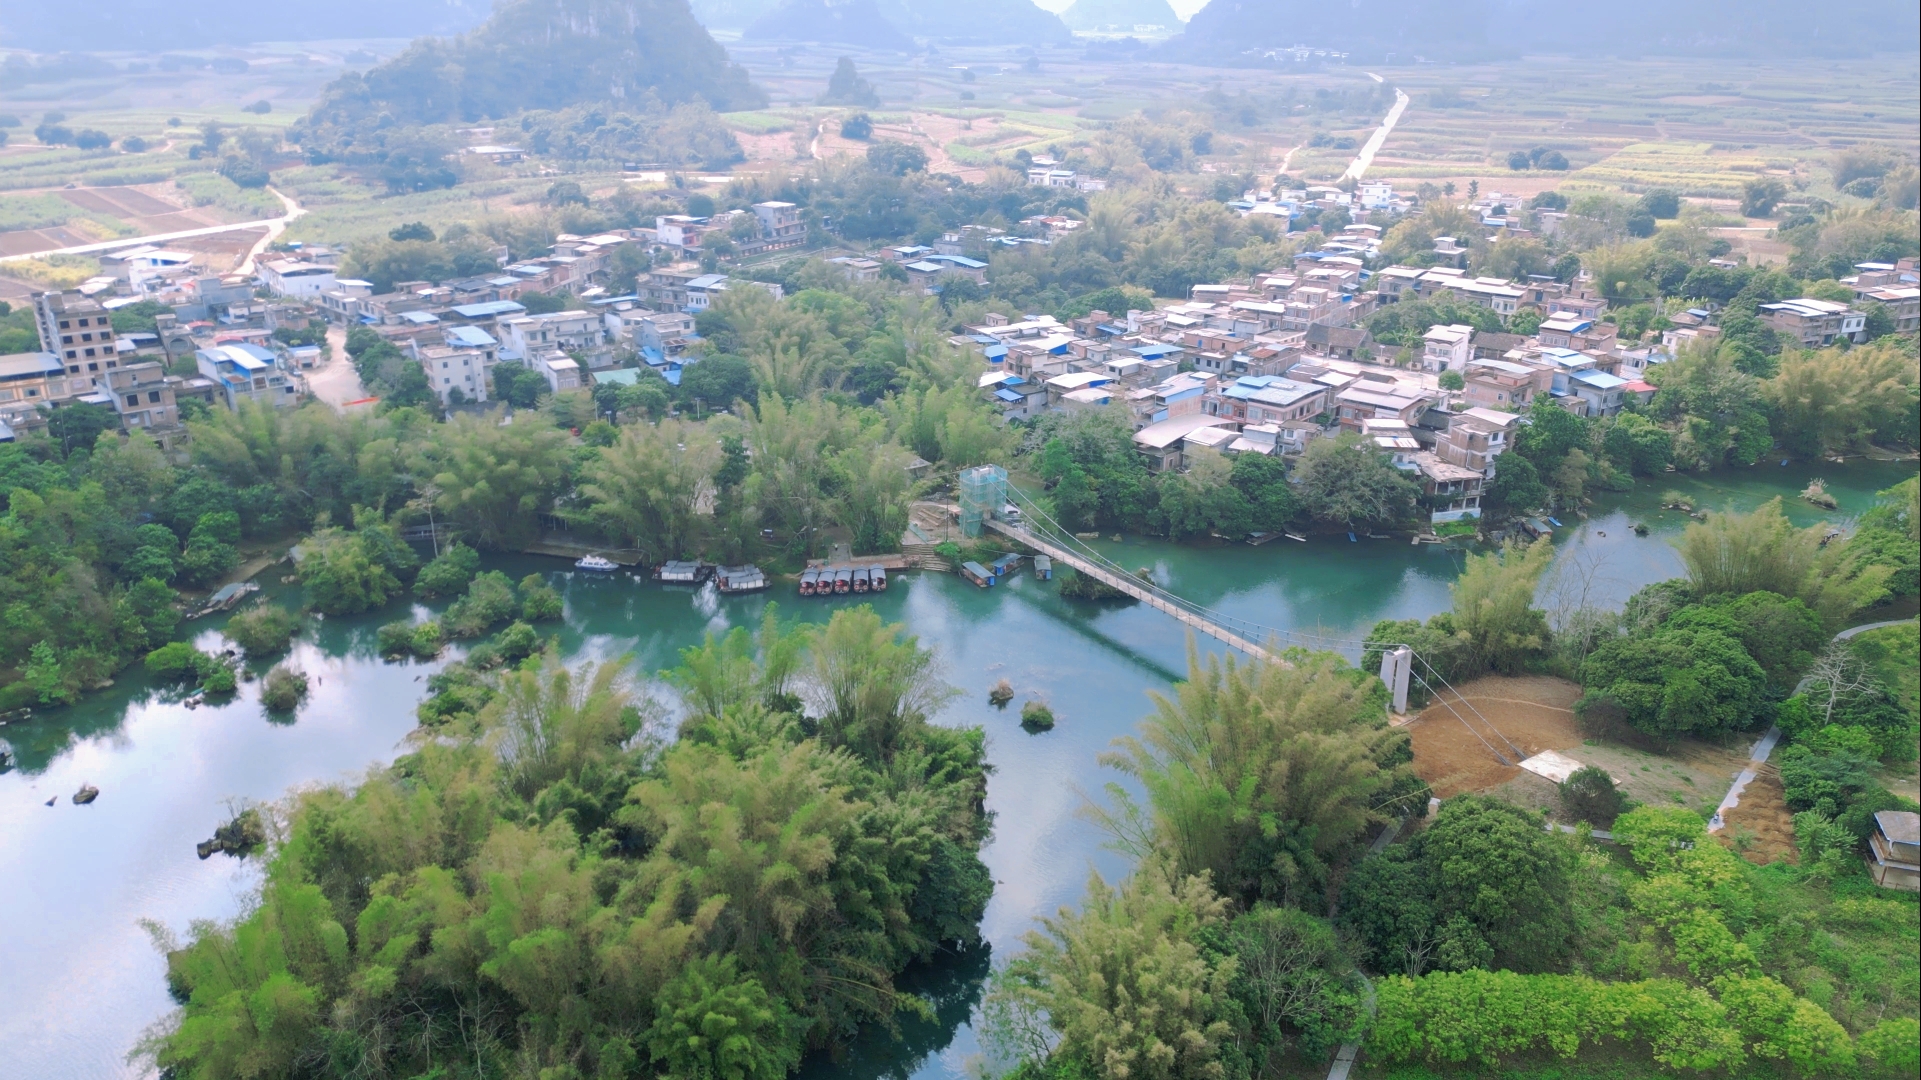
x,y
174,660
1001,694
489,600
517,643
426,639
1589,794
217,677
396,638
263,629
1036,716
283,689
449,573
538,600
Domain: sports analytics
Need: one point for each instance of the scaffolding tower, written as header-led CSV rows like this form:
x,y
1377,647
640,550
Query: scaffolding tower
x,y
983,491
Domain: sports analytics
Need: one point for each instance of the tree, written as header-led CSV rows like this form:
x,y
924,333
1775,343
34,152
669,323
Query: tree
x,y
1761,552
1261,777
1677,680
1493,606
1346,482
1516,488
859,127
341,576
1589,794
1831,401
1291,978
1662,203
1501,889
713,1022
847,87
717,383
896,158
1759,195
1452,380
872,685
654,488
1124,986
413,230
492,480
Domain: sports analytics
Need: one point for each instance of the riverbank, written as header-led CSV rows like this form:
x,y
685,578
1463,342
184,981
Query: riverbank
x,y
92,873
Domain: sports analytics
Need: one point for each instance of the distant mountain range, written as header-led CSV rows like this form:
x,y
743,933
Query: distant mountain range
x,y
839,22
1120,15
141,25
1238,31
947,22
537,54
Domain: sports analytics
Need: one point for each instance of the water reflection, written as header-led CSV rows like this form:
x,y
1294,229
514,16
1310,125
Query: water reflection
x,y
82,979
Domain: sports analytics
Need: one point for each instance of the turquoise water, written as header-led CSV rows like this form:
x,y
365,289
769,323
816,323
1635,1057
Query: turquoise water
x,y
83,980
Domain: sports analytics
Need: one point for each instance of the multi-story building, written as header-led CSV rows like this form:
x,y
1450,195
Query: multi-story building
x,y
459,366
242,372
1447,348
1474,437
143,396
1266,400
559,369
582,332
1365,400
30,380
1812,323
780,226
78,330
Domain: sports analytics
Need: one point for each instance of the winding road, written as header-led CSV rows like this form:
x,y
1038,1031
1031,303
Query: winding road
x,y
274,227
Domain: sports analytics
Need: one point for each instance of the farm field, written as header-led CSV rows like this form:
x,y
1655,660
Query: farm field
x,y
1701,127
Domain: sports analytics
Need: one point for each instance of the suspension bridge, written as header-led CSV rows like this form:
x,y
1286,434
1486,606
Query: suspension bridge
x,y
985,493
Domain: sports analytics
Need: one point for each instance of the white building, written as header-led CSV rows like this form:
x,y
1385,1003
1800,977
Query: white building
x,y
293,277
1448,348
559,369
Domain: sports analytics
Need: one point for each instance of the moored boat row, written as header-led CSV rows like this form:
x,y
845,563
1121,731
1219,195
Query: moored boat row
x,y
842,580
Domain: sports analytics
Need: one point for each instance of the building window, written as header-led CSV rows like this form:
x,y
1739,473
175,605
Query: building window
x,y
133,399
153,397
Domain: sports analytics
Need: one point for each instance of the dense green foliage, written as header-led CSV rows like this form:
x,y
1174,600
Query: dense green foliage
x,y
550,886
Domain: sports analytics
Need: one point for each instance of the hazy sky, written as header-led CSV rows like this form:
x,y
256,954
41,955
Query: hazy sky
x,y
1184,8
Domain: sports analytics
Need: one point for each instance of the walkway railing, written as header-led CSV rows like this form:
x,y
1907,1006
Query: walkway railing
x,y
1040,531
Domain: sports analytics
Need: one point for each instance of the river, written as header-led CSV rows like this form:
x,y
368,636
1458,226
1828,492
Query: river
x,y
83,978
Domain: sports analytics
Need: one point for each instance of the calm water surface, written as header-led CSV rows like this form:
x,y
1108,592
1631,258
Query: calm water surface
x,y
82,978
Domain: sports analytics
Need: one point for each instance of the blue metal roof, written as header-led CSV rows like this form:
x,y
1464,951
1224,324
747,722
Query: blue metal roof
x,y
419,318
1009,396
490,308
472,336
995,352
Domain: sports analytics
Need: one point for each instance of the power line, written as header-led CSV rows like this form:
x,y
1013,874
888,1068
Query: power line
x,y
1054,533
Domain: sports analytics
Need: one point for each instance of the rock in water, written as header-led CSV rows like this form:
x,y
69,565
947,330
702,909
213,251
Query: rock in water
x,y
85,795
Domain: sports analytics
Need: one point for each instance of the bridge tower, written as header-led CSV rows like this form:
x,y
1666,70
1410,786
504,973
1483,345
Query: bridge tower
x,y
983,491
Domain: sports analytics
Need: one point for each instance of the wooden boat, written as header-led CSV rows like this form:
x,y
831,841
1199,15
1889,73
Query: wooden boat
x,y
878,579
808,580
843,581
862,579
740,579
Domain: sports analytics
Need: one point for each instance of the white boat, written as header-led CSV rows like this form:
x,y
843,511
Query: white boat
x,y
594,564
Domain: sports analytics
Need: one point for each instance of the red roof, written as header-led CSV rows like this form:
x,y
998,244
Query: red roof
x,y
1640,386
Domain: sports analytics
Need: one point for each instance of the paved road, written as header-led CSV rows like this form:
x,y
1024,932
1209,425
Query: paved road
x,y
274,227
1374,142
336,382
274,230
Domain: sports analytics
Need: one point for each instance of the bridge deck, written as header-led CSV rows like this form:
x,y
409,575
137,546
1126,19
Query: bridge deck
x,y
1129,585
